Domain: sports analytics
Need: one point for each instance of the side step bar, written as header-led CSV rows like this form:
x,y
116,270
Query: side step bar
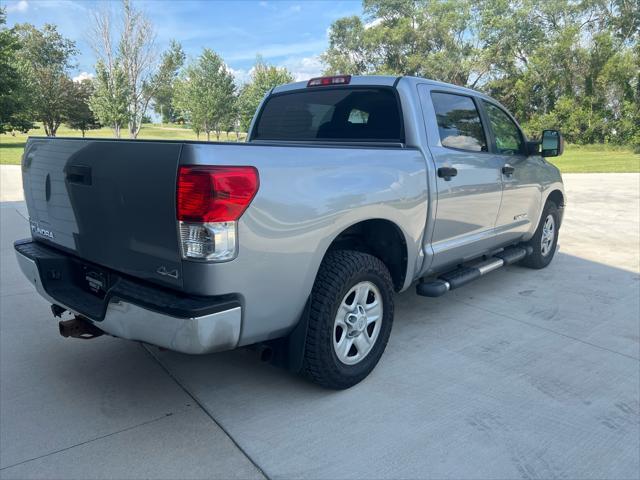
x,y
463,275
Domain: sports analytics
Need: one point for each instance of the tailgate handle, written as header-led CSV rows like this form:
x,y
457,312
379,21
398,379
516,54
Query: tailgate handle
x,y
79,174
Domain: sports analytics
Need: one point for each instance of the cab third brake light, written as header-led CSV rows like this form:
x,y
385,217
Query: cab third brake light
x,y
326,81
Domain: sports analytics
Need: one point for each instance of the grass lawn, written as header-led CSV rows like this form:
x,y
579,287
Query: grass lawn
x,y
597,159
576,158
11,147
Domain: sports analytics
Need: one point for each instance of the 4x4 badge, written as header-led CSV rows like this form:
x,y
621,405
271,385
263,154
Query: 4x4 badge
x,y
167,273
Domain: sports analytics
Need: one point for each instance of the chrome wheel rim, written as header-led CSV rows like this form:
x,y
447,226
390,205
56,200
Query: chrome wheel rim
x,y
548,235
357,323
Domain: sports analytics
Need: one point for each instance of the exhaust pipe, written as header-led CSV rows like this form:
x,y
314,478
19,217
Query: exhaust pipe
x,y
79,327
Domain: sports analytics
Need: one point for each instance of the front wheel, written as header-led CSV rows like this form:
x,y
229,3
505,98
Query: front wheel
x,y
545,239
349,320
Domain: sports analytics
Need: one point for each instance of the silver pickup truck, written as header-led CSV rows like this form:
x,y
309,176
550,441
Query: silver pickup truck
x,y
348,189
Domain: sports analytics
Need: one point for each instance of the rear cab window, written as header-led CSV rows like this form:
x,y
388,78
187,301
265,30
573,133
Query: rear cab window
x,y
348,114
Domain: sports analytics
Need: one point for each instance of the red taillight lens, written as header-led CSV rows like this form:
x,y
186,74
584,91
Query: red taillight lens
x,y
215,194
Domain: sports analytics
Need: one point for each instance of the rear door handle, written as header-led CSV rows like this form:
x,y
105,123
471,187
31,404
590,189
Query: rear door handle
x,y
79,174
508,170
447,173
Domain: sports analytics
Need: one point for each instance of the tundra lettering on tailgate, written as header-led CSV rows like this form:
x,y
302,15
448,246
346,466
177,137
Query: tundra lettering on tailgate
x,y
41,231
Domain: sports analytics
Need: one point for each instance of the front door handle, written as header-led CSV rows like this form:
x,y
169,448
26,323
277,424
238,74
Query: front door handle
x,y
447,173
508,170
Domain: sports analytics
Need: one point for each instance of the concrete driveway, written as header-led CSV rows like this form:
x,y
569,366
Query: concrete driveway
x,y
523,374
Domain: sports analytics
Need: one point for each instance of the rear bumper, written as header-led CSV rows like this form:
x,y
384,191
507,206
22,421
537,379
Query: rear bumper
x,y
139,312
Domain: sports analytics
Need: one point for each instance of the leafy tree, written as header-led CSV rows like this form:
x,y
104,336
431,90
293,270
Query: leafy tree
x,y
110,97
205,93
170,64
350,51
571,64
44,59
231,120
79,115
263,78
409,37
130,53
13,101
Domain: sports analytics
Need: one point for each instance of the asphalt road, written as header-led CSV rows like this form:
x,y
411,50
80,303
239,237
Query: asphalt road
x,y
522,374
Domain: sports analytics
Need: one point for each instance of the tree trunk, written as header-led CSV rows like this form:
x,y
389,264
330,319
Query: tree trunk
x,y
208,135
136,130
50,128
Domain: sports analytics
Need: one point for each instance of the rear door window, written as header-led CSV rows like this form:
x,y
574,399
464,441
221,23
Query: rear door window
x,y
459,122
335,114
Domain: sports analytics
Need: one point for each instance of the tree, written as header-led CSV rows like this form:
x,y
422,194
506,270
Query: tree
x,y
231,119
110,97
570,64
44,59
205,93
133,57
263,78
78,112
170,64
409,37
13,101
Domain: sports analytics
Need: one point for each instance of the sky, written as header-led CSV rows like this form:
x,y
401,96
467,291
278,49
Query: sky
x,y
286,33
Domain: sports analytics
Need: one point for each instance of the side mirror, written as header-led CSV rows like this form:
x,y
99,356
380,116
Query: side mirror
x,y
552,143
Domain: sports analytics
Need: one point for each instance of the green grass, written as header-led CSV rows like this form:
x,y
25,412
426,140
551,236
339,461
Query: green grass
x,y
11,146
576,158
597,159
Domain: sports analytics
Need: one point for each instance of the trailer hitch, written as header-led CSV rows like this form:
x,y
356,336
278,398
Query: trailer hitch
x,y
79,327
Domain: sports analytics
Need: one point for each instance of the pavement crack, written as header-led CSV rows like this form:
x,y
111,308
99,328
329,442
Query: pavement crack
x,y
200,404
504,315
88,441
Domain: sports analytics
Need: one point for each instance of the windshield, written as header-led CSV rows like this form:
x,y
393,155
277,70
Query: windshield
x,y
335,114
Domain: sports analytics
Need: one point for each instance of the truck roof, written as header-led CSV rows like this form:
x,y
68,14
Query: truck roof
x,y
379,81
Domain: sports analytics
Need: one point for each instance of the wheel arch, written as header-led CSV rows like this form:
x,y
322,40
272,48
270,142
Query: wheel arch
x,y
557,197
377,236
381,238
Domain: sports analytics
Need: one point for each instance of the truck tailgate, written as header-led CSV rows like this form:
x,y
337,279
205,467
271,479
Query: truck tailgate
x,y
109,202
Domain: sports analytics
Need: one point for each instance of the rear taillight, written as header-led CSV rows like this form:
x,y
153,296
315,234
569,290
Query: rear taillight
x,y
210,200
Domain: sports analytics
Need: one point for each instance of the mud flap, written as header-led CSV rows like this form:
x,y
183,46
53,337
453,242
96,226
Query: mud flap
x,y
288,352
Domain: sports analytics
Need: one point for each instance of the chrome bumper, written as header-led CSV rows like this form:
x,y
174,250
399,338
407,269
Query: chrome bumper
x,y
210,333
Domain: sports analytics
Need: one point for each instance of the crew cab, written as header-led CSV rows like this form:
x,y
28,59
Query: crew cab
x,y
349,188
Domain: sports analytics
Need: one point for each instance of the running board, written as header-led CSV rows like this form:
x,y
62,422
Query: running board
x,y
463,275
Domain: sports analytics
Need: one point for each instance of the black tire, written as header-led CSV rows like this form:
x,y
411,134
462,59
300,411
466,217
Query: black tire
x,y
538,259
339,272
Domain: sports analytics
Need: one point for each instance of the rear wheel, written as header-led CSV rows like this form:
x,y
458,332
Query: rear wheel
x,y
545,239
350,319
